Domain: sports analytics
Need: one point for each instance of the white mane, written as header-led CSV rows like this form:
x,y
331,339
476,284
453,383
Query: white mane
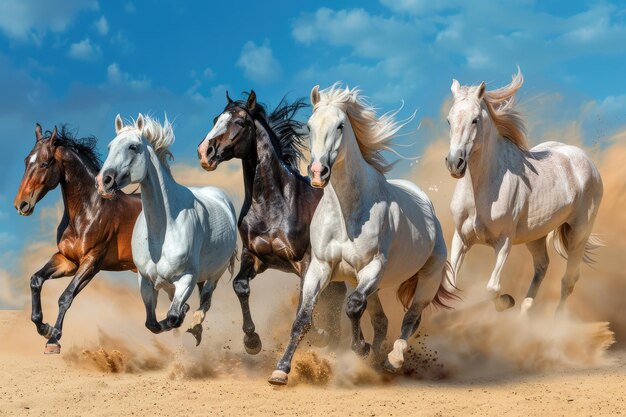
x,y
373,134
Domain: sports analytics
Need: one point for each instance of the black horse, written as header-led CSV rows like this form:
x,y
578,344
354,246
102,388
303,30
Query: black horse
x,y
279,202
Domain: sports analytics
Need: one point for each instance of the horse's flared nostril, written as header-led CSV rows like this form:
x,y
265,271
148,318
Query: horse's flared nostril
x,y
325,172
209,151
460,163
108,180
24,206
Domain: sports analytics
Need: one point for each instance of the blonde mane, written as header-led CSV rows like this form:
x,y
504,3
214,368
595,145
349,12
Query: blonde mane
x,y
500,105
373,134
160,137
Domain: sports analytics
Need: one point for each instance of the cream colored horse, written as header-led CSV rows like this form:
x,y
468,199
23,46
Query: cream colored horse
x,y
508,194
367,230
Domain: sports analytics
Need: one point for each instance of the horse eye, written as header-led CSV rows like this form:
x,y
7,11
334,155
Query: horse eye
x,y
133,148
475,121
340,127
44,165
448,120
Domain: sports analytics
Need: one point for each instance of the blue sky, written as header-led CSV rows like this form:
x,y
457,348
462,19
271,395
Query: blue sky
x,y
84,61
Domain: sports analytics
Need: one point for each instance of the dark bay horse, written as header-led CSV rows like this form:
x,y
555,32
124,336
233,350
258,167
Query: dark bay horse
x,y
94,233
279,203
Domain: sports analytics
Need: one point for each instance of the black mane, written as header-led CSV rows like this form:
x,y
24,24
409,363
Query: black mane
x,y
84,147
285,128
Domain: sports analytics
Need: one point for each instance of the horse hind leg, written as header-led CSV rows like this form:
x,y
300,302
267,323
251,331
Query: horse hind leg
x,y
572,272
379,322
427,282
539,252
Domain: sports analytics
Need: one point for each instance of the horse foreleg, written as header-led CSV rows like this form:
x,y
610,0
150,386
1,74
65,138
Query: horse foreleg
x,y
178,308
58,266
502,301
368,279
539,252
457,255
206,293
315,279
88,268
149,295
241,285
328,315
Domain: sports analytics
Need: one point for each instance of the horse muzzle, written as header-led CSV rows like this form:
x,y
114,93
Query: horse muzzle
x,y
456,164
105,184
25,207
319,174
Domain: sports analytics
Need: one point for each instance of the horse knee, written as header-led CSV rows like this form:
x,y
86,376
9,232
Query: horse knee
x,y
355,305
65,300
36,282
241,287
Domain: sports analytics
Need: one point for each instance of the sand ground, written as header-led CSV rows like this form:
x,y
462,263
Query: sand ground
x,y
32,384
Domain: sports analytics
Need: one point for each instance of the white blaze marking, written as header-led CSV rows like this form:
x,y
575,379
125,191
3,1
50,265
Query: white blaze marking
x,y
33,158
220,126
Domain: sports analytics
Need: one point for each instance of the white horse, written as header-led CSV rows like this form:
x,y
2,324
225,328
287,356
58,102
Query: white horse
x,y
366,230
183,237
508,194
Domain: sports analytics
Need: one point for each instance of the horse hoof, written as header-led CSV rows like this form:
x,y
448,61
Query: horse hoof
x,y
196,331
389,367
363,351
278,378
504,302
319,338
52,349
252,343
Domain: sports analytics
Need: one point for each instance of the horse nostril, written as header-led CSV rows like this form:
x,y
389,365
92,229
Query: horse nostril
x,y
460,163
324,172
209,151
108,180
23,206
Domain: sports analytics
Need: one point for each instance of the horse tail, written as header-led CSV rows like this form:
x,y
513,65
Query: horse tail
x,y
445,293
231,263
406,291
561,241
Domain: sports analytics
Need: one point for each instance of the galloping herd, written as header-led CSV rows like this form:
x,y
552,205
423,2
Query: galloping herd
x,y
345,226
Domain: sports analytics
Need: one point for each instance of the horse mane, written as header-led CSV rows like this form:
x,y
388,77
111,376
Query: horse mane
x,y
284,126
373,134
160,137
500,104
84,147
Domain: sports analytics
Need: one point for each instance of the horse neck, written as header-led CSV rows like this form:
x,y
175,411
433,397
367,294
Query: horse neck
x,y
494,158
352,178
78,184
158,191
265,170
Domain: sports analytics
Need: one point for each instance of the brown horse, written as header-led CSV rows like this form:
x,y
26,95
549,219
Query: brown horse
x,y
94,233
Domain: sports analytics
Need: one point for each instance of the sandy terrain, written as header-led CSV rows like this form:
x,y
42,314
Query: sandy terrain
x,y
80,382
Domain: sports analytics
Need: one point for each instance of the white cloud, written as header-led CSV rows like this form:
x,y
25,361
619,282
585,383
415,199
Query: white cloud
x,y
84,50
30,20
208,73
118,77
129,8
258,63
102,25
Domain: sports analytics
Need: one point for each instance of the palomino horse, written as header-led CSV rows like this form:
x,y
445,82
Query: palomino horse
x,y
279,202
508,194
183,237
94,234
366,229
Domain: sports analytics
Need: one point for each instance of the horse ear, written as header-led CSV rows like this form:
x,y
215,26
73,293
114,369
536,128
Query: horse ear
x,y
481,91
53,138
230,101
455,87
38,134
139,123
251,104
315,95
119,124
